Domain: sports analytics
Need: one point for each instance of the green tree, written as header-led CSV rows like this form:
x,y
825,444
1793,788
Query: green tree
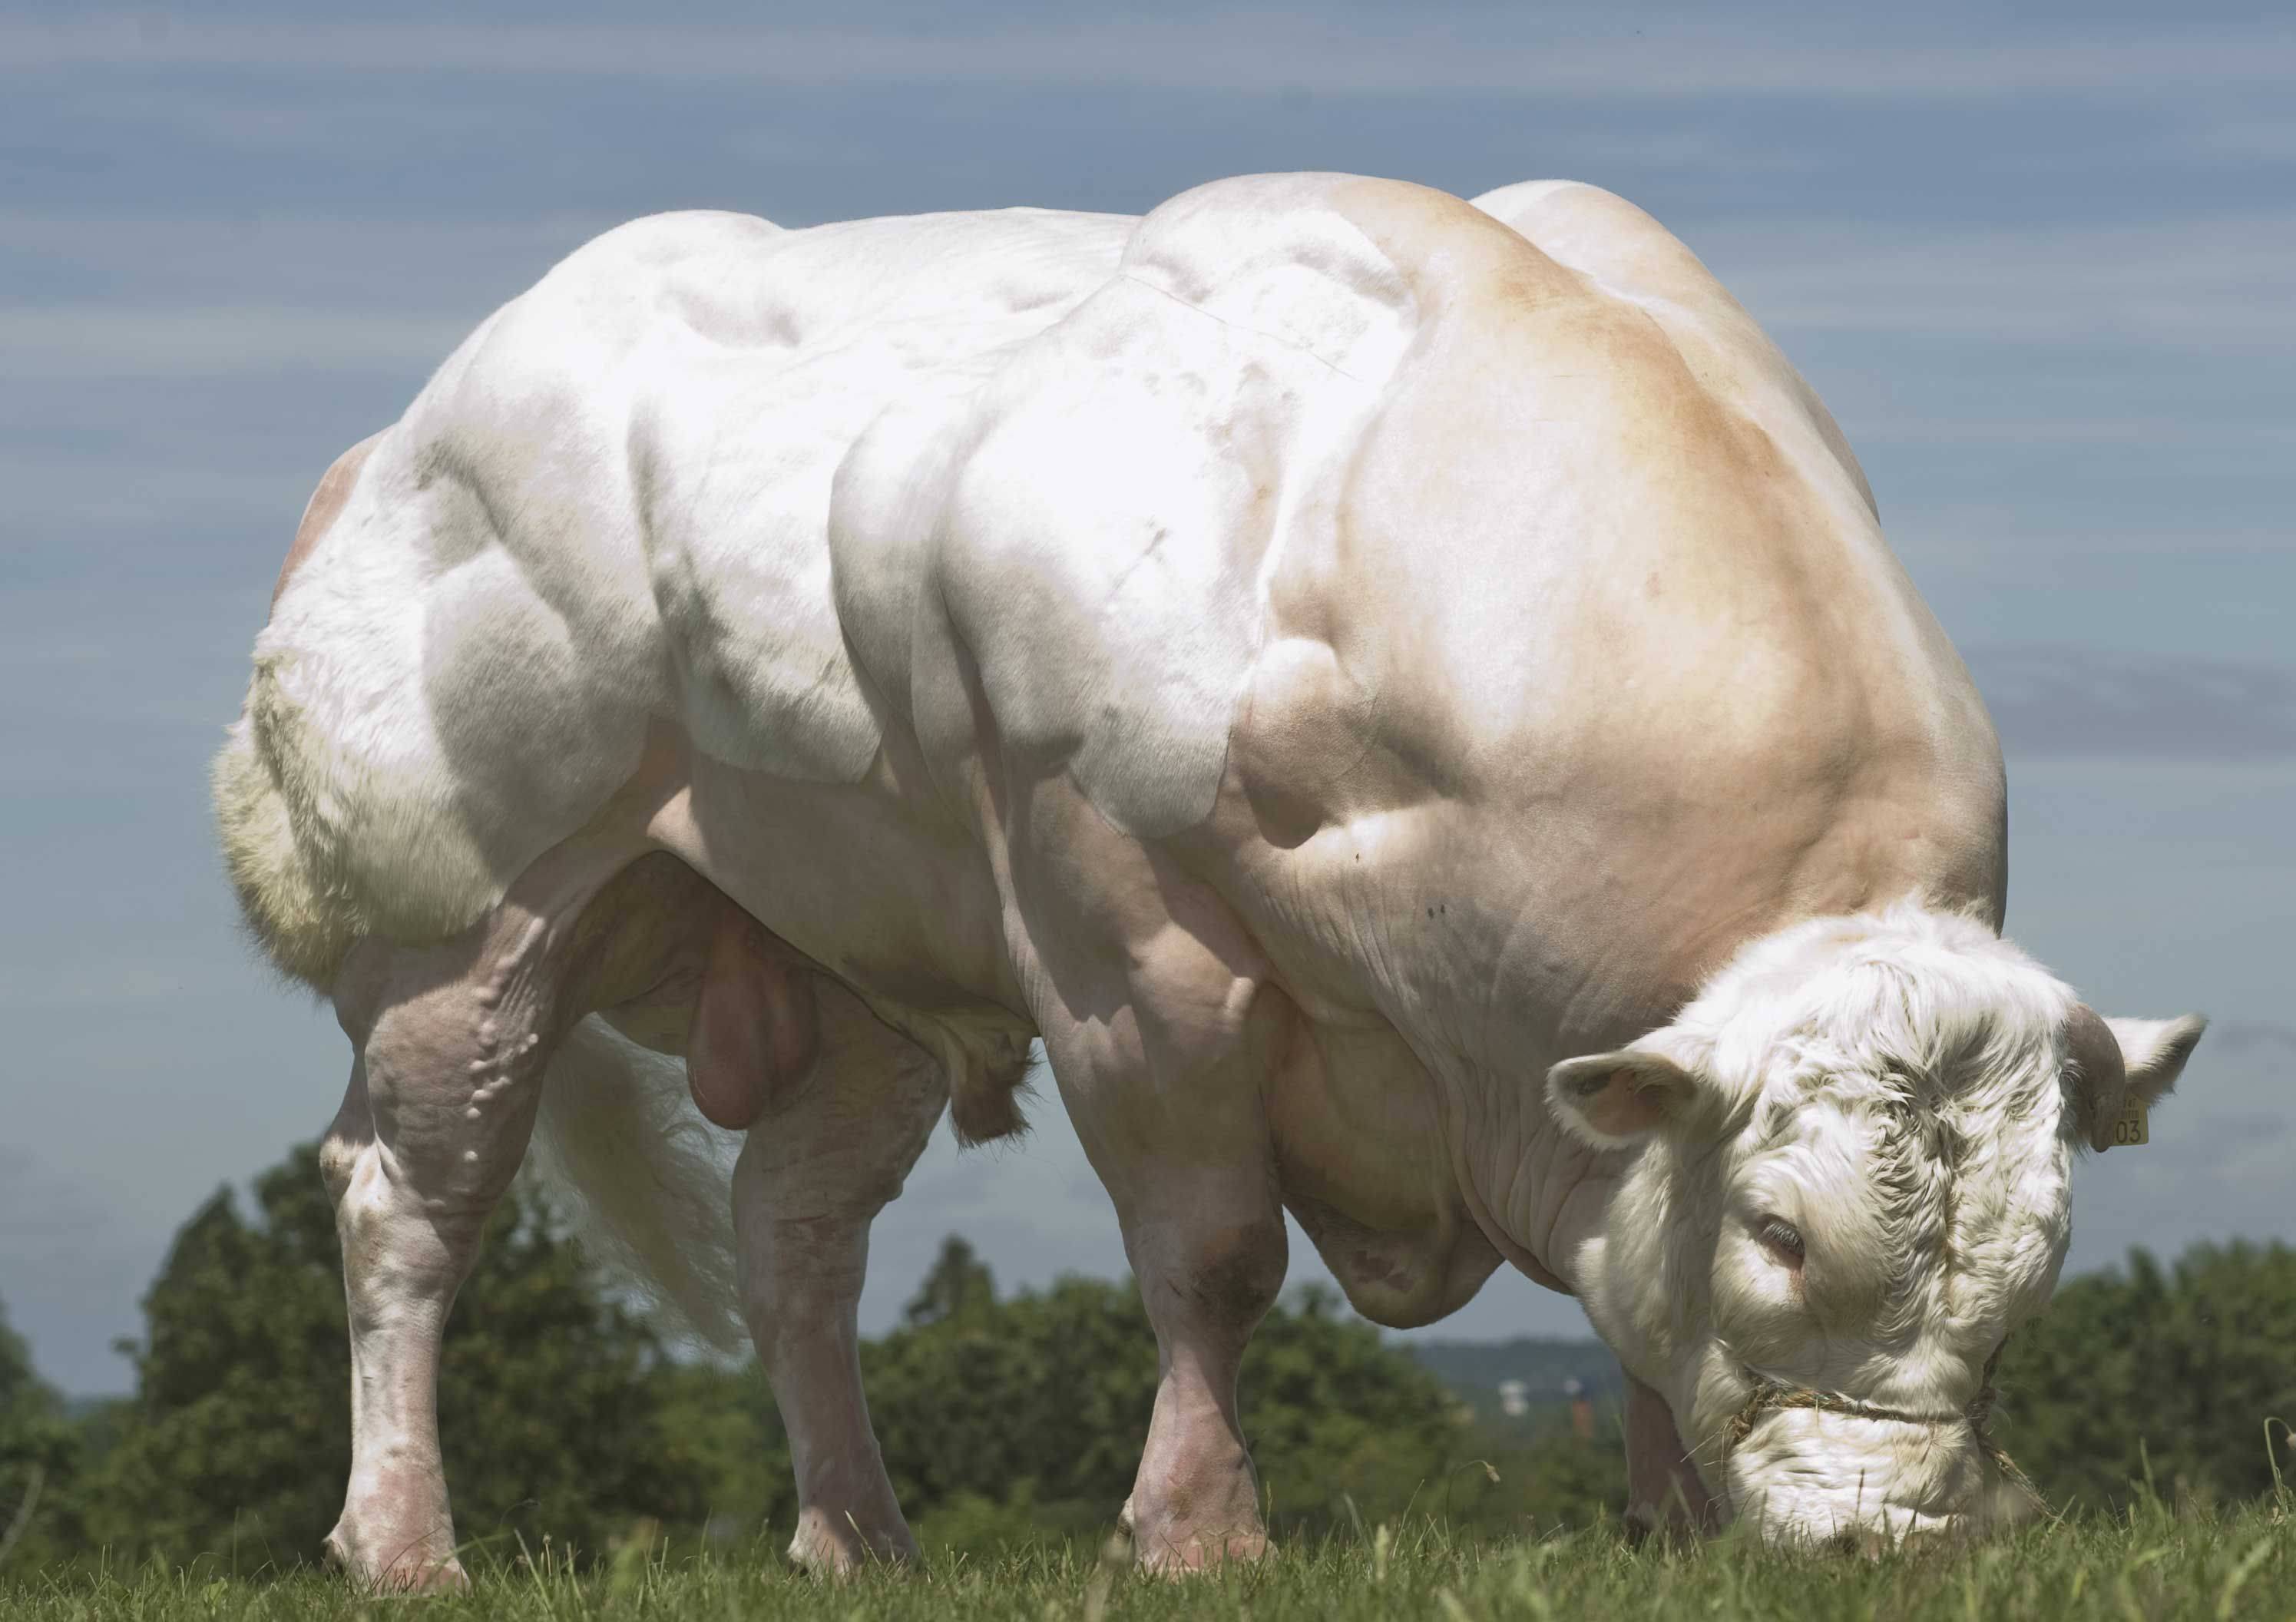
x,y
958,1286
1337,1417
238,1443
1028,1412
723,1436
38,1453
2170,1374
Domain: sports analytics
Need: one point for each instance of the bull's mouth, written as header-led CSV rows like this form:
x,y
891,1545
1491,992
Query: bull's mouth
x,y
2007,1494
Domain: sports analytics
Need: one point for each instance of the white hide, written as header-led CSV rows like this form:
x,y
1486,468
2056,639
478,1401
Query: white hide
x,y
1323,657
610,503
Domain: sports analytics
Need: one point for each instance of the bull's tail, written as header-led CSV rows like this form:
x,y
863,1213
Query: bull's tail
x,y
654,1182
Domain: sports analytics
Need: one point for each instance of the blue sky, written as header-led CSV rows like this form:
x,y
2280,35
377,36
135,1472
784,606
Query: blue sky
x,y
2041,270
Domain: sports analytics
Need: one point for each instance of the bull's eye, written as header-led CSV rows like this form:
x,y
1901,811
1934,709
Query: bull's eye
x,y
1783,1238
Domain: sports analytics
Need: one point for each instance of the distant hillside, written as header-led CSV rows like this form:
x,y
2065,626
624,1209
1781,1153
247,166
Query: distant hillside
x,y
1475,1369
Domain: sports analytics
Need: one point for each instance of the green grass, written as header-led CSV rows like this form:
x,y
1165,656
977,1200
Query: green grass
x,y
2154,1563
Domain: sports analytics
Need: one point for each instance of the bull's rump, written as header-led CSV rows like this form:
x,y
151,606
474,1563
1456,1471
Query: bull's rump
x,y
789,490
609,505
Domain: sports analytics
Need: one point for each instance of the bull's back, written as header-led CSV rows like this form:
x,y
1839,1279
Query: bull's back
x,y
1338,491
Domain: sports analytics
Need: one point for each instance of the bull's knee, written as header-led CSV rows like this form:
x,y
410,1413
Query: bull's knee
x,y
1234,1275
1206,1273
340,1149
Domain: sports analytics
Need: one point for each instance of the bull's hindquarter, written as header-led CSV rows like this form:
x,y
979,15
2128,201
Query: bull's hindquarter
x,y
1312,657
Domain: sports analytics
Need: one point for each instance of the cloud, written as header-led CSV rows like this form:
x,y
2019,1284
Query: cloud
x,y
219,259
2270,138
2217,283
2136,431
2254,1036
42,1212
2068,704
83,341
1261,51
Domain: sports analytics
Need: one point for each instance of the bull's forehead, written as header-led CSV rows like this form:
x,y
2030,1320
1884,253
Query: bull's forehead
x,y
1941,1209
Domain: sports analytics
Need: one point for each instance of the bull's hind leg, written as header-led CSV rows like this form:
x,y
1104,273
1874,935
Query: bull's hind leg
x,y
442,1098
451,1042
824,1156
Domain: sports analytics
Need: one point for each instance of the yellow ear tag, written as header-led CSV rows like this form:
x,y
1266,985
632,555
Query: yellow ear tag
x,y
2132,1127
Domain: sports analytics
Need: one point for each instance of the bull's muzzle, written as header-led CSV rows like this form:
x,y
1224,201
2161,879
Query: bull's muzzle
x,y
1821,1468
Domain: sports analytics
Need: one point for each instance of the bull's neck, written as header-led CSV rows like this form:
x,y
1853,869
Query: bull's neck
x,y
1537,1195
1481,1026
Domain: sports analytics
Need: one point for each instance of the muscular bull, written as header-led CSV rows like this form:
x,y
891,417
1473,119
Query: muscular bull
x,y
1409,701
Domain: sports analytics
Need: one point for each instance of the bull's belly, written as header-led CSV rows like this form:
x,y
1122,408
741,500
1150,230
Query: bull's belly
x,y
902,908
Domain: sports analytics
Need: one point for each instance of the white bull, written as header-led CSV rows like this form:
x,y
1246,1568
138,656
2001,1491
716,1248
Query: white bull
x,y
1409,701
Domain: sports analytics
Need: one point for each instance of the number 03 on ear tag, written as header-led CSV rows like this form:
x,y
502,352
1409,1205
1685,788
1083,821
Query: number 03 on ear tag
x,y
2131,1127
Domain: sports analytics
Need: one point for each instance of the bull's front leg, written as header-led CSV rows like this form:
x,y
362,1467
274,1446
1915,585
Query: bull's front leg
x,y
1664,1494
1208,1249
1167,1099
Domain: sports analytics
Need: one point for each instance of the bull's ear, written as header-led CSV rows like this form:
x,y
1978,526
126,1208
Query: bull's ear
x,y
2118,1062
1611,1099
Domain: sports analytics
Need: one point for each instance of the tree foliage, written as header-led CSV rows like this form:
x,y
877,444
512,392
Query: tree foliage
x,y
40,1452
1042,1399
2169,1376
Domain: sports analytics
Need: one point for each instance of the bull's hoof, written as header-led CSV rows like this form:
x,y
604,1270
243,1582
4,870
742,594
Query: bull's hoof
x,y
411,1570
837,1547
1183,1550
1184,1557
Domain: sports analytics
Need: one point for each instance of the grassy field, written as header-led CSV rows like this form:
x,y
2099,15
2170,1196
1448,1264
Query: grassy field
x,y
2153,1564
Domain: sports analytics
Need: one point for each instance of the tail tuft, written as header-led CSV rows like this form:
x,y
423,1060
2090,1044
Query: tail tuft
x,y
654,1182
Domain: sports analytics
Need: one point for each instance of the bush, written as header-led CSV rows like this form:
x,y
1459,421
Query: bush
x,y
2166,1377
40,1457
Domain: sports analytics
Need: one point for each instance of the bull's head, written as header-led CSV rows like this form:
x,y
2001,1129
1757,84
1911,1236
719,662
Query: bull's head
x,y
1852,1183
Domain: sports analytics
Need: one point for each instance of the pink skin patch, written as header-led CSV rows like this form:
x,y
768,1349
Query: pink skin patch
x,y
326,505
